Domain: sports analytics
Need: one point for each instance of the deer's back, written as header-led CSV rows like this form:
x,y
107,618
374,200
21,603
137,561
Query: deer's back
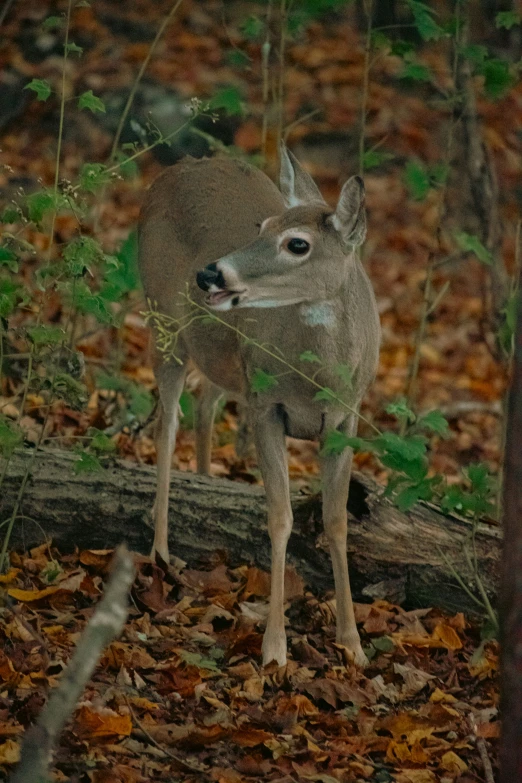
x,y
194,213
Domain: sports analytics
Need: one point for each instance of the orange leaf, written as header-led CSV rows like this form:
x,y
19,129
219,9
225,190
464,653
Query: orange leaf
x,y
11,575
249,738
10,752
448,636
106,723
32,595
453,763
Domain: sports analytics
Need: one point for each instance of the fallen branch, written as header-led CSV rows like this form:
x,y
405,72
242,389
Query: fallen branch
x,y
392,554
105,624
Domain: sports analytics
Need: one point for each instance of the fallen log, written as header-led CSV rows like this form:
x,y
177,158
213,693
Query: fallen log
x,y
392,554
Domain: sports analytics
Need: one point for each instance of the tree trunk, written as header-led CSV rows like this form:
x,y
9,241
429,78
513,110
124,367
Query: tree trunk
x,y
392,555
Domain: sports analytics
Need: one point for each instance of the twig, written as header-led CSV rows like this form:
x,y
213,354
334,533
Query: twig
x,y
105,624
281,81
139,77
368,8
484,757
187,765
5,10
265,75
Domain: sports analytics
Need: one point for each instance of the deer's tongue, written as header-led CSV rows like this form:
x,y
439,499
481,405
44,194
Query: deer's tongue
x,y
217,297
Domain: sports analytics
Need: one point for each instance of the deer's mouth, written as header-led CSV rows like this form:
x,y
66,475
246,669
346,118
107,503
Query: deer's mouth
x,y
224,299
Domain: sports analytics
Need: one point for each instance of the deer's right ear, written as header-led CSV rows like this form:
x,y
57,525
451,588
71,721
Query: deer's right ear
x,y
349,218
296,185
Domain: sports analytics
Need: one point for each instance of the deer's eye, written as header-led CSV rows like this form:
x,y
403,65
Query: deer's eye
x,y
298,246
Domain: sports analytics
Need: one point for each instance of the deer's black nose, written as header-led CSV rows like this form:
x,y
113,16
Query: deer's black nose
x,y
211,275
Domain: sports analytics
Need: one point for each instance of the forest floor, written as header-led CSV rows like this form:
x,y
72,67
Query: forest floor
x,y
185,677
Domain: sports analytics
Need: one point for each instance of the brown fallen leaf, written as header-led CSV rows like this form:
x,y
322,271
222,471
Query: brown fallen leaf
x,y
448,636
453,763
298,704
9,752
27,596
132,656
101,723
334,691
249,738
416,776
209,582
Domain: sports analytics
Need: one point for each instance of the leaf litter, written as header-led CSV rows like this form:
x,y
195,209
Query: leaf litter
x,y
183,689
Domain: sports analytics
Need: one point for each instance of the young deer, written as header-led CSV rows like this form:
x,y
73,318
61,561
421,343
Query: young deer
x,y
281,267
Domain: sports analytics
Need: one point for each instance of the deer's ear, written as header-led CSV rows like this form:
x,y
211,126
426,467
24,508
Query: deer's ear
x,y
349,218
297,187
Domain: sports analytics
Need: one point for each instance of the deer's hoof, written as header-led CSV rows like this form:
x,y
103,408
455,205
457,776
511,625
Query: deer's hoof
x,y
274,648
354,652
163,553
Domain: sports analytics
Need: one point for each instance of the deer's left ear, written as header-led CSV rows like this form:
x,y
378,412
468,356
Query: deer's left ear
x,y
349,218
296,185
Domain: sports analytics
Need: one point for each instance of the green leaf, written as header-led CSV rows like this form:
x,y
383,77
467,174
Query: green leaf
x,y
400,410
383,644
72,48
81,297
475,53
141,402
70,389
497,77
434,421
123,277
237,58
408,496
345,373
478,474
472,244
309,356
102,444
43,201
41,87
253,28
88,100
81,254
195,659
229,99
53,23
10,437
46,334
374,158
416,71
187,405
424,21
262,381
438,174
8,259
10,294
335,442
508,19
93,176
11,214
417,180
401,48
325,394
87,463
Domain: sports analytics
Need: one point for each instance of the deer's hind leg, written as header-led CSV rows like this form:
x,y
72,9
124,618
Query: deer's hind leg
x,y
205,413
170,377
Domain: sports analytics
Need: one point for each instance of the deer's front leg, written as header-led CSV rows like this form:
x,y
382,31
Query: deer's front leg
x,y
336,469
269,436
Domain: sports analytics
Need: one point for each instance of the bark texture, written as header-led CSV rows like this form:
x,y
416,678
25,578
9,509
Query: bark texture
x,y
103,509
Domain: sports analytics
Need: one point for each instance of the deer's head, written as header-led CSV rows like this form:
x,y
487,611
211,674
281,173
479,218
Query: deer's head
x,y
301,255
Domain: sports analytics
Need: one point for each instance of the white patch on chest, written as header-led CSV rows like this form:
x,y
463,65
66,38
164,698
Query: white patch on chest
x,y
318,314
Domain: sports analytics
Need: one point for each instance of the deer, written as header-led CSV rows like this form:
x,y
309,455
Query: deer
x,y
282,266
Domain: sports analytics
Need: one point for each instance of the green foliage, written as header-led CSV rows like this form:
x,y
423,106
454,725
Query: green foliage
x,y
10,437
508,19
262,381
139,402
229,99
328,395
8,258
11,294
121,276
477,499
416,72
53,23
498,78
374,158
101,443
79,296
43,201
45,334
82,253
87,463
472,244
253,28
93,176
41,87
417,179
433,422
423,16
88,100
72,48
309,356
